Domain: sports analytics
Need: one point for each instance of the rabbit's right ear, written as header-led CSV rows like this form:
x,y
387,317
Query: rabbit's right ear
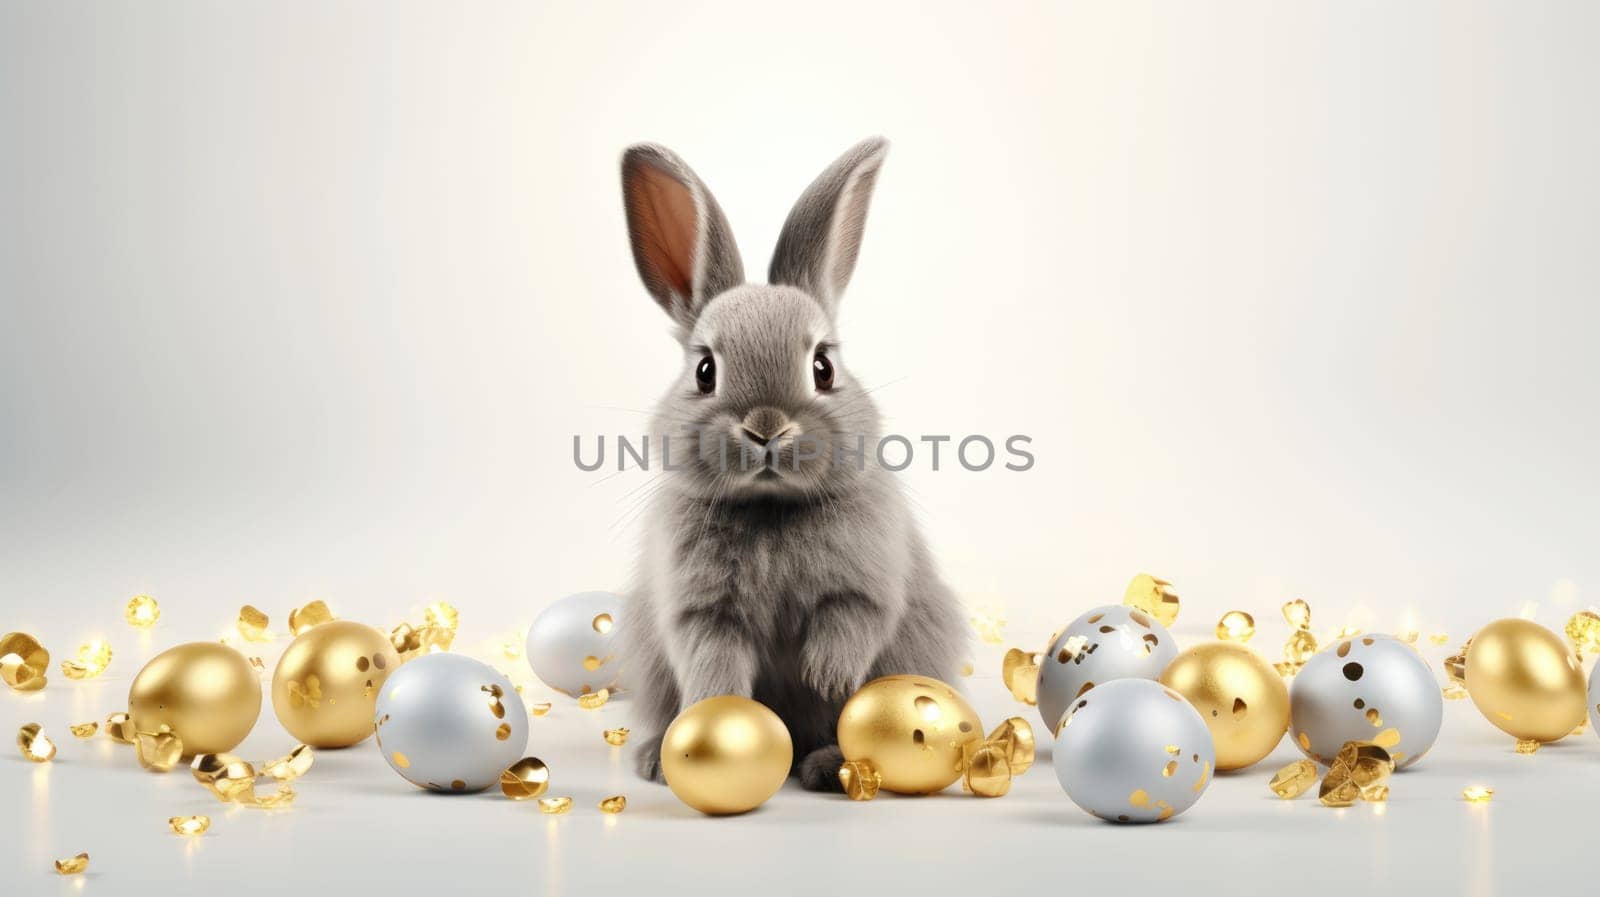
x,y
682,245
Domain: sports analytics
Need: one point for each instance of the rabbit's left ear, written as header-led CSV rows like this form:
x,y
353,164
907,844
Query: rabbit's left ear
x,y
682,245
822,236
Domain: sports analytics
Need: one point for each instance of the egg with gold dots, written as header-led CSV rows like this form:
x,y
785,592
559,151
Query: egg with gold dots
x,y
449,723
327,682
912,729
571,647
1133,750
1241,698
1366,688
1106,643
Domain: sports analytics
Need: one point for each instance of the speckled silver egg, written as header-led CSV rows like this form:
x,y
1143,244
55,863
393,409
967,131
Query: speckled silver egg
x,y
1107,643
1366,688
570,645
446,722
1594,699
1133,750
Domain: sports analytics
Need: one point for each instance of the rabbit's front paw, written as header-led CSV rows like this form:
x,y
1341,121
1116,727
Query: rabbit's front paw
x,y
819,771
647,761
829,673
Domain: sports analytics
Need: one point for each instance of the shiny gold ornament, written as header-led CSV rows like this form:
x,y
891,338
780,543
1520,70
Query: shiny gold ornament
x,y
313,614
1298,613
1019,670
159,751
23,661
1525,680
1583,631
526,778
1239,695
327,681
1153,596
189,825
987,772
555,806
860,779
72,865
614,804
290,766
1294,780
1014,738
142,612
726,755
229,778
595,700
913,729
92,660
204,692
1236,626
34,745
1358,771
616,737
252,624
84,730
1477,794
120,728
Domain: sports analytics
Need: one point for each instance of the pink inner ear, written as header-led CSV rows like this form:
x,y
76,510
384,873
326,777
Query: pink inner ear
x,y
663,223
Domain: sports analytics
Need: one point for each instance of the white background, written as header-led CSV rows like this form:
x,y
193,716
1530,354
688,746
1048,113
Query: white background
x,y
1294,299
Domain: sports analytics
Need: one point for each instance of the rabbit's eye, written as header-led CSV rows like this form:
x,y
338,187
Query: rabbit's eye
x,y
706,374
822,372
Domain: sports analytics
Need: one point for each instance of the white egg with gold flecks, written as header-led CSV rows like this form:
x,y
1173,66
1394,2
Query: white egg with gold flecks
x,y
446,722
570,644
1594,699
1133,750
1365,688
1107,643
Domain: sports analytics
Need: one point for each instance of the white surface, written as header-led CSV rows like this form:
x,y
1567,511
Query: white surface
x,y
357,827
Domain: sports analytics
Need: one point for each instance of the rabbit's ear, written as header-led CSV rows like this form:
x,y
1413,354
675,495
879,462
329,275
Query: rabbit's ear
x,y
822,236
681,242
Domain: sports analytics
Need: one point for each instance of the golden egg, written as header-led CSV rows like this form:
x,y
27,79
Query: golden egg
x,y
1525,680
726,755
1239,695
327,682
912,729
205,691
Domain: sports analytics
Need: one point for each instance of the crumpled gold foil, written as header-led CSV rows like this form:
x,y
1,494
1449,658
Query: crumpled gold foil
x,y
539,709
988,772
84,730
1455,691
1528,745
142,612
861,780
23,661
290,766
1014,738
1477,794
35,745
413,641
1019,670
1298,613
1294,780
594,700
227,777
1455,666
159,751
1299,648
1154,596
1583,631
312,614
989,622
616,737
72,865
120,728
524,779
1439,638
614,804
277,800
92,660
441,614
1236,626
1358,769
252,624
189,825
554,806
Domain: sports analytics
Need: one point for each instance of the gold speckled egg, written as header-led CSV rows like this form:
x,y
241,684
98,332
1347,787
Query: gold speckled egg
x,y
327,682
912,729
1241,698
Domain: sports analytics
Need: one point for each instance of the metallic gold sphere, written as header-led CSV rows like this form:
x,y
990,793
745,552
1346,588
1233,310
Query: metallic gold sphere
x,y
1525,680
912,729
726,755
1239,695
327,682
205,691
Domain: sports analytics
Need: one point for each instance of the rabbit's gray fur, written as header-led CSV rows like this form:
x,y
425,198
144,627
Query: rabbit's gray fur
x,y
793,586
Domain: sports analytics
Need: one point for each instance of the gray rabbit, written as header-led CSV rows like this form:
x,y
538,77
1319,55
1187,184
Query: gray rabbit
x,y
781,562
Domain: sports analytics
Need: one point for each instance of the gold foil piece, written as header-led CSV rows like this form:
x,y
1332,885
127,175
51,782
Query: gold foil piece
x,y
555,806
1299,648
252,624
84,730
92,660
142,612
1358,769
277,800
1528,745
312,614
1298,613
1020,672
441,614
23,661
616,737
1154,596
1014,738
72,865
189,825
120,728
1286,669
35,745
614,804
1477,794
290,766
412,641
159,751
540,709
1236,626
524,779
861,780
989,621
229,778
1376,795
1583,631
1455,691
1439,638
594,700
1294,780
988,772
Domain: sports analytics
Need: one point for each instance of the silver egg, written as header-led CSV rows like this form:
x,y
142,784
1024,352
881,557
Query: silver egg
x,y
1133,750
570,644
1107,643
446,722
1594,699
1366,688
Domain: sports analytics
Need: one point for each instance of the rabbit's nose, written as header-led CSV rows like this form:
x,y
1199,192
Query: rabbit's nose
x,y
762,425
